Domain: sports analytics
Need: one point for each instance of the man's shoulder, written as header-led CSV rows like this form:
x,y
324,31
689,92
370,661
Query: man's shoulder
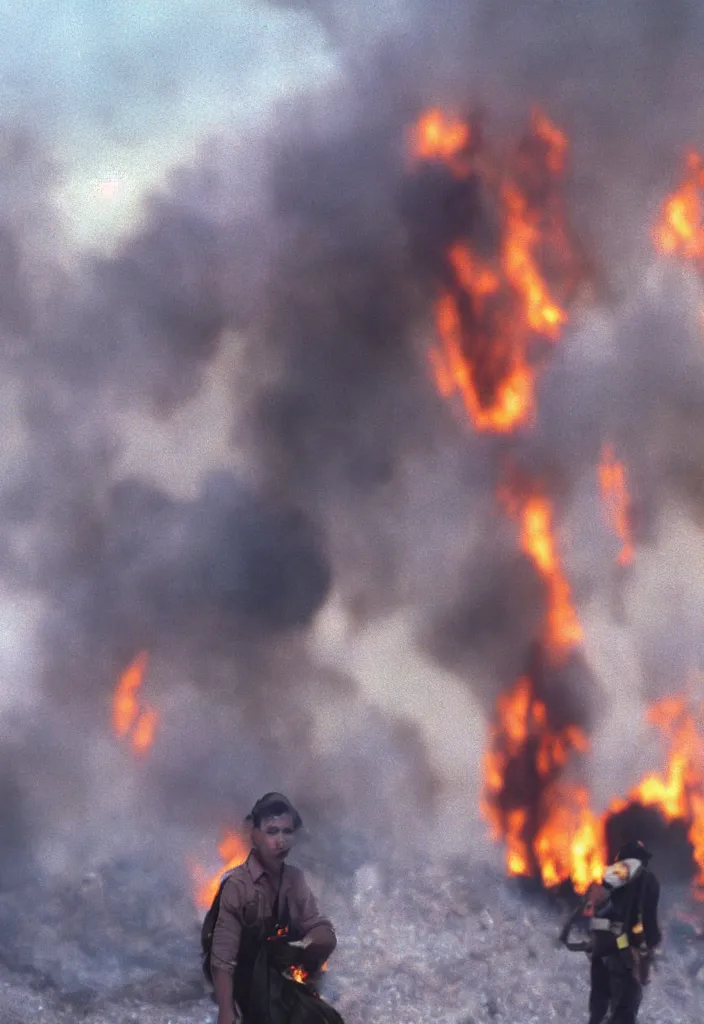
x,y
234,879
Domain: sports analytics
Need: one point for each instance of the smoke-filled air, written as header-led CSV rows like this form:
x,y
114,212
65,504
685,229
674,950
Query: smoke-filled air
x,y
352,374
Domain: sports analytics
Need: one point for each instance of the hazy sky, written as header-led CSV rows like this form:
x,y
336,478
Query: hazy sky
x,y
125,89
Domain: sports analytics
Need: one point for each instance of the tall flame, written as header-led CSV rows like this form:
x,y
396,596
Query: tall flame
x,y
132,719
547,825
563,631
496,314
492,310
614,491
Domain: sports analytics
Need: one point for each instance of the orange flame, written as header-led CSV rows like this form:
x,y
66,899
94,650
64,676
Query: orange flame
x,y
523,238
678,792
614,491
233,850
499,307
513,400
563,631
679,230
555,141
130,718
569,842
439,136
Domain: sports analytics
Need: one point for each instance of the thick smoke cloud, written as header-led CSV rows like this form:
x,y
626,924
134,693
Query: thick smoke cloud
x,y
308,248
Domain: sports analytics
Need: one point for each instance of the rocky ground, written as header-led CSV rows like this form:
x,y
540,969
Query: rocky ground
x,y
443,942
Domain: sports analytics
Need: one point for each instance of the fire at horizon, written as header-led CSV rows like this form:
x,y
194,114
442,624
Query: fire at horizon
x,y
500,309
490,317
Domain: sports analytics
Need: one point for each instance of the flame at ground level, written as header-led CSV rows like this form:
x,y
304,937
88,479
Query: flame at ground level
x,y
547,824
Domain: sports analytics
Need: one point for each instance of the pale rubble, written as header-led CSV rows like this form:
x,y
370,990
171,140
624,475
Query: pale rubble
x,y
443,942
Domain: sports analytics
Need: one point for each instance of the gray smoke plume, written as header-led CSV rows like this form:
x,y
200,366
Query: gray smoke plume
x,y
298,246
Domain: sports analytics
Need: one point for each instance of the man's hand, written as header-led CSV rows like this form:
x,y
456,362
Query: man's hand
x,y
228,1011
300,944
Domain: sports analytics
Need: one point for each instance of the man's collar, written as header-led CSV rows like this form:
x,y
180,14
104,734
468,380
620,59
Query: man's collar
x,y
256,868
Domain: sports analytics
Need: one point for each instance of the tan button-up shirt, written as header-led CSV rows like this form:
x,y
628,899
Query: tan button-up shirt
x,y
248,898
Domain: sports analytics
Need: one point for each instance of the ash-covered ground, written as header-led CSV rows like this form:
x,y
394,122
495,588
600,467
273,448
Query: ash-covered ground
x,y
421,939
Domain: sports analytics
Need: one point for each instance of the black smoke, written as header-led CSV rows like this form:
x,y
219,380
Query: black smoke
x,y
311,250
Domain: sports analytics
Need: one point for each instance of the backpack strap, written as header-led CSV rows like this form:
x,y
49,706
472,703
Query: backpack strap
x,y
638,930
623,940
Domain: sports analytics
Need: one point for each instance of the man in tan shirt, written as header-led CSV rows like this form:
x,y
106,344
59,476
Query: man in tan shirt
x,y
262,894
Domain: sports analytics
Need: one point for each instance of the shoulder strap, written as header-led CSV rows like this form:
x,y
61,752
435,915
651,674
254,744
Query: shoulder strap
x,y
635,894
276,921
277,904
638,926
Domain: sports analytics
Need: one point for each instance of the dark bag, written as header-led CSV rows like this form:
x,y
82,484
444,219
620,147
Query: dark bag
x,y
617,908
277,999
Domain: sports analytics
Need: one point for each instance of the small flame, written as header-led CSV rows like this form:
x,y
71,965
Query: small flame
x,y
131,718
439,136
614,491
233,850
555,141
563,631
679,230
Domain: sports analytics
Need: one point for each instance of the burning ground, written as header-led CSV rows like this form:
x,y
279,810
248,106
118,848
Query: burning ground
x,y
411,366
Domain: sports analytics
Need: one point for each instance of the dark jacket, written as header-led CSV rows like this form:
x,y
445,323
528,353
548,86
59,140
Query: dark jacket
x,y
641,896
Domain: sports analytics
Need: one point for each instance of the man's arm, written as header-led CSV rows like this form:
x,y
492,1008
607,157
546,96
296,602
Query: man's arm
x,y
651,897
222,983
226,945
318,934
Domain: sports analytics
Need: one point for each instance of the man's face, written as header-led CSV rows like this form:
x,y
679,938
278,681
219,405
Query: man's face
x,y
273,839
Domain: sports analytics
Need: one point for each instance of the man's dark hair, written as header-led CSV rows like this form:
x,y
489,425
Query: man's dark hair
x,y
271,805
